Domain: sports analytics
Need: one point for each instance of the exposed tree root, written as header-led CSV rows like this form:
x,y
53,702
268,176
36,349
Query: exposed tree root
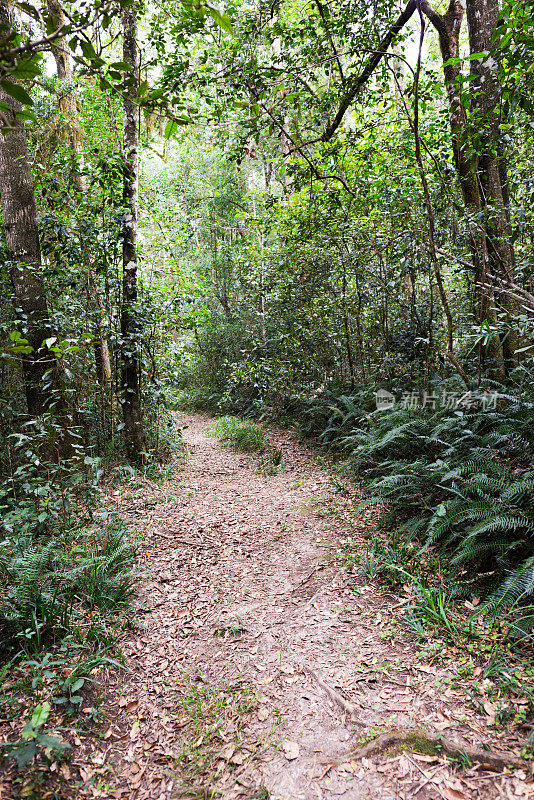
x,y
431,742
347,707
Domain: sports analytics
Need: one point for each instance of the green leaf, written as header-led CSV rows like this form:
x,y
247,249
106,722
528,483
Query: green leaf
x,y
170,128
23,753
26,114
222,20
54,742
89,51
17,92
40,715
29,67
122,66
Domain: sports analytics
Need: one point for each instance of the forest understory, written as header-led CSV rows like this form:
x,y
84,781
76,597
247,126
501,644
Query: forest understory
x,y
261,663
266,399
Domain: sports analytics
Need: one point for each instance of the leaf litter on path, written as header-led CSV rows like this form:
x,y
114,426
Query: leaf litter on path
x,y
257,670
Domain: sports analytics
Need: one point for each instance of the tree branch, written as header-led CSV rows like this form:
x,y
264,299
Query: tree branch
x,y
322,14
369,68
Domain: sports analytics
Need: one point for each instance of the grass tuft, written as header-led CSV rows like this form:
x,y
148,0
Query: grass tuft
x,y
239,434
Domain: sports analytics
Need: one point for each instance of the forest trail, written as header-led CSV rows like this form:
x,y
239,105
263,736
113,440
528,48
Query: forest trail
x,y
255,667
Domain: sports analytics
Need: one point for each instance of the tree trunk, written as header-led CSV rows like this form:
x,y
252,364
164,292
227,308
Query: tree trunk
x,y
448,27
130,330
22,240
492,176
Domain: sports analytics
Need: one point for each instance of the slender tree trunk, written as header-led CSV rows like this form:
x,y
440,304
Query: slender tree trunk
x,y
346,326
68,106
22,240
134,434
448,27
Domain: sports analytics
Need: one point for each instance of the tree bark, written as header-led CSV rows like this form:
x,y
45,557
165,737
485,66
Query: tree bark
x,y
134,434
492,175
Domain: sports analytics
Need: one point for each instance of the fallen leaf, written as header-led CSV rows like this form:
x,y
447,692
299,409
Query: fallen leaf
x,y
452,794
227,752
423,757
291,749
136,781
287,669
86,774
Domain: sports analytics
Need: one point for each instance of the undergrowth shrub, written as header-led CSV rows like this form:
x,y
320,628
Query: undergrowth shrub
x,y
239,434
50,585
63,561
463,479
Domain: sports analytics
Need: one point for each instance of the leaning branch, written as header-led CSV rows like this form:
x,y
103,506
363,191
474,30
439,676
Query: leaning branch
x,y
369,68
296,148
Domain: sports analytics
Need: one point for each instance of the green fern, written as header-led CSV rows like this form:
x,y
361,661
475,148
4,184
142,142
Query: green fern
x,y
462,480
517,586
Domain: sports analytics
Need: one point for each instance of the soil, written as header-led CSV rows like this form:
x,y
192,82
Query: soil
x,y
259,665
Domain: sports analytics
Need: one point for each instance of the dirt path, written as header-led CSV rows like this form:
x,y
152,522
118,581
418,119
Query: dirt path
x,y
252,652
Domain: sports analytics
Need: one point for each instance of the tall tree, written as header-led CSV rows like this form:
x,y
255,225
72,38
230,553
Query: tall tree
x,y
482,16
130,329
481,175
22,240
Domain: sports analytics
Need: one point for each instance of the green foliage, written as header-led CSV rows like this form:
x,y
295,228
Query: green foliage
x,y
239,434
47,582
463,479
34,740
